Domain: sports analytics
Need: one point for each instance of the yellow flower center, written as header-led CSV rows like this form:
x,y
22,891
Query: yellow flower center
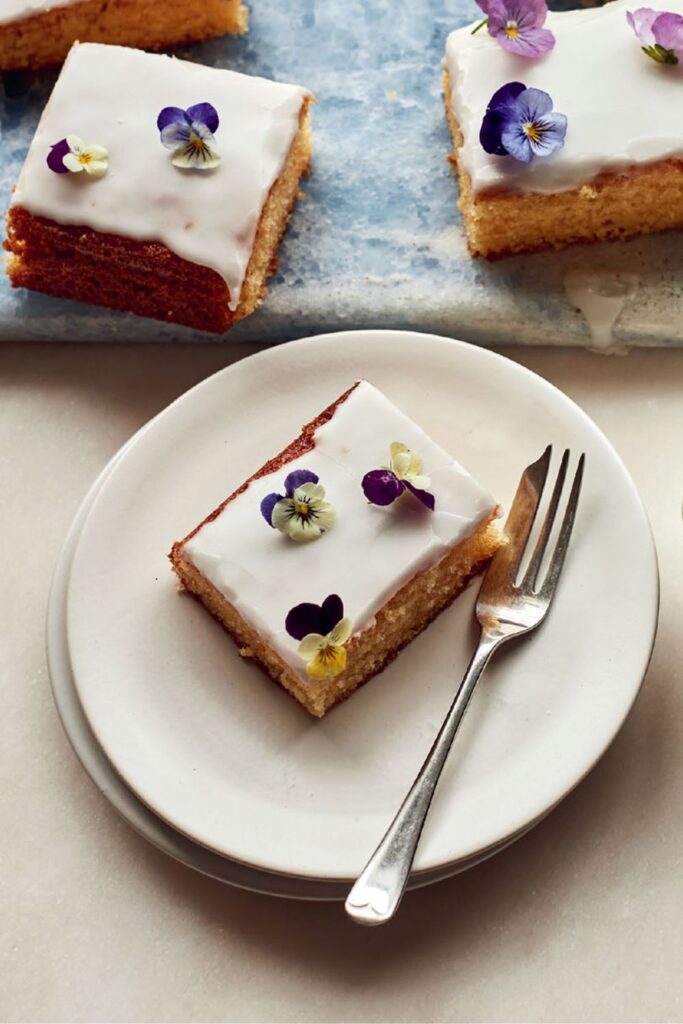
x,y
197,143
84,158
301,508
532,131
511,30
329,661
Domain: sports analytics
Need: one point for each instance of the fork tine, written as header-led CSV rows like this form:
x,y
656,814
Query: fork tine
x,y
531,575
555,567
505,563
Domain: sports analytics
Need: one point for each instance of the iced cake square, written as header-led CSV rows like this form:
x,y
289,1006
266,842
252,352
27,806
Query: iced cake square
x,y
158,186
340,550
619,171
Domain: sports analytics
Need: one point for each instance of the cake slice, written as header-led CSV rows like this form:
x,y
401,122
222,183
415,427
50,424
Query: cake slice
x,y
620,170
184,231
37,33
340,550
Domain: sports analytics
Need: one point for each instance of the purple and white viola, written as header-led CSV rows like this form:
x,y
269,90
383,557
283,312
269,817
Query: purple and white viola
x,y
301,512
190,134
404,473
521,123
517,25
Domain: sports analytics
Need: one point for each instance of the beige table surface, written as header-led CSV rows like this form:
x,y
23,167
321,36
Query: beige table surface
x,y
582,920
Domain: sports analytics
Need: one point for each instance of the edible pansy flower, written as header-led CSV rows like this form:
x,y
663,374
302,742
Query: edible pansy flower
x,y
521,123
190,134
71,155
659,32
404,473
301,512
517,25
323,632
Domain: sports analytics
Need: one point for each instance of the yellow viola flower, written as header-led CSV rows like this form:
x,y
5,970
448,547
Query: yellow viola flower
x,y
406,465
325,656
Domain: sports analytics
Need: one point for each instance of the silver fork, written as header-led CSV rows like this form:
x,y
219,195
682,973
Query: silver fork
x,y
505,609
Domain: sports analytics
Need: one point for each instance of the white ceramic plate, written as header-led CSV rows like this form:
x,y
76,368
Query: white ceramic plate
x,y
225,757
124,801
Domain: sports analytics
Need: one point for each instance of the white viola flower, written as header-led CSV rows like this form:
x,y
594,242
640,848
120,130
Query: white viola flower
x,y
190,134
301,512
94,160
305,515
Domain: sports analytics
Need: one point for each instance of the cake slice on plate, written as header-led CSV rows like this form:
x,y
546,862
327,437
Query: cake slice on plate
x,y
158,186
37,33
614,165
341,549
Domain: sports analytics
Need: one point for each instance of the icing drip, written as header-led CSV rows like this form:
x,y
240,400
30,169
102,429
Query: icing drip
x,y
622,113
601,298
113,95
370,553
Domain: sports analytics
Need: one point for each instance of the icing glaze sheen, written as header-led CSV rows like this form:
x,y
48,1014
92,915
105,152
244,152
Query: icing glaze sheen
x,y
17,10
112,95
620,104
370,552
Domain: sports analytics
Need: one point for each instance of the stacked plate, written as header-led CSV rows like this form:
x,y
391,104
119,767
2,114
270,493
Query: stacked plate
x,y
211,762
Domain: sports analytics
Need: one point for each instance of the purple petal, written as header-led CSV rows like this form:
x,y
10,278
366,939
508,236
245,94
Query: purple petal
x,y
505,97
332,612
56,156
381,486
206,114
200,129
176,134
668,32
641,22
533,104
304,619
531,42
267,506
525,14
297,478
516,143
425,497
491,131
171,115
501,107
553,130
484,5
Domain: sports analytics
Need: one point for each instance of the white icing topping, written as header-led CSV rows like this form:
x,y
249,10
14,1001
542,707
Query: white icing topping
x,y
601,298
622,107
112,95
17,10
370,552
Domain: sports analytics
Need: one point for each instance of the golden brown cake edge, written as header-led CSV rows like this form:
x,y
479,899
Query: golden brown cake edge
x,y
44,38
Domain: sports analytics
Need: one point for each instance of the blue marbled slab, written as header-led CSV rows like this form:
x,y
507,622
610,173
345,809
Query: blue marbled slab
x,y
378,241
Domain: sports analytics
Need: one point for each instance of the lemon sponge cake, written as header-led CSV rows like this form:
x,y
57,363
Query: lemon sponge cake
x,y
341,549
158,186
36,33
618,169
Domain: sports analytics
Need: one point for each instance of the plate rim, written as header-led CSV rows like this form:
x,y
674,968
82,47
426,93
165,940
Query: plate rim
x,y
492,358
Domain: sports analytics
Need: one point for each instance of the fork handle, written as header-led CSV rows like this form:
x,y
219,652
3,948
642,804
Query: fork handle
x,y
377,892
